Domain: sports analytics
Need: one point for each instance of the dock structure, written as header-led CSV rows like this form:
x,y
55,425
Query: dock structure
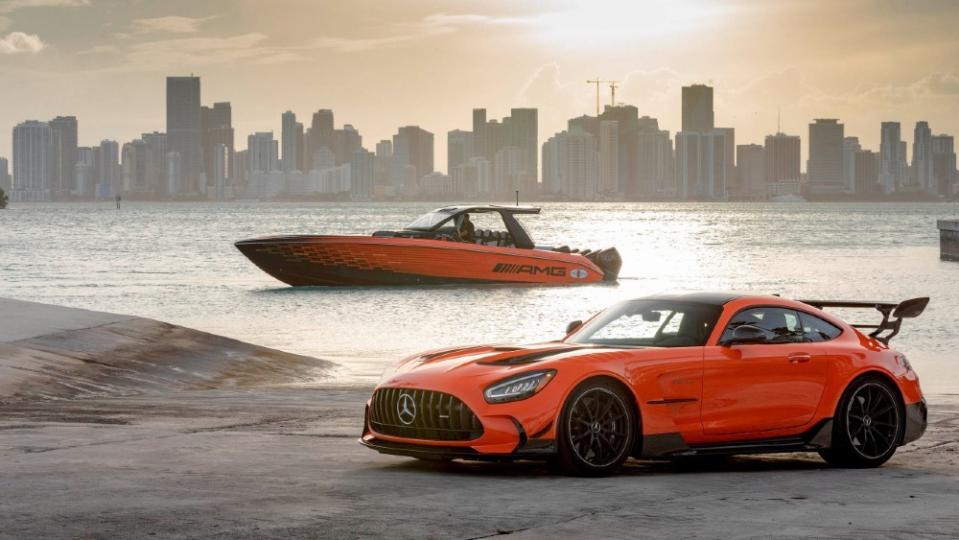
x,y
948,239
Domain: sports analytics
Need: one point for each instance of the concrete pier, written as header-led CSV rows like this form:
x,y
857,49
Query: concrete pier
x,y
948,239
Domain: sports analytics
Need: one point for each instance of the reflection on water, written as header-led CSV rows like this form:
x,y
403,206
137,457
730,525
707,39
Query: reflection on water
x,y
177,263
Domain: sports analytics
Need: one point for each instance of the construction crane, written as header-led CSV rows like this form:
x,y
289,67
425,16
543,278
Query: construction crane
x,y
612,86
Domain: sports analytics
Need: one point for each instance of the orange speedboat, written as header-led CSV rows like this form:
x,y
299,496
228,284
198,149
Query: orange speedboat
x,y
441,247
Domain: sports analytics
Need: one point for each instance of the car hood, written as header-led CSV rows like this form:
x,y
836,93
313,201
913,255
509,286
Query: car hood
x,y
485,361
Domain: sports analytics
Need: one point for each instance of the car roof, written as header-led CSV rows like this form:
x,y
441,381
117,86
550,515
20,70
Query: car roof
x,y
708,298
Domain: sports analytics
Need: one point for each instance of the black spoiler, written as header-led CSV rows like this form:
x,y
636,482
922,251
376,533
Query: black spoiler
x,y
892,314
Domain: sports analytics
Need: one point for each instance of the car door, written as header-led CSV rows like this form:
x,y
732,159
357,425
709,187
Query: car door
x,y
751,388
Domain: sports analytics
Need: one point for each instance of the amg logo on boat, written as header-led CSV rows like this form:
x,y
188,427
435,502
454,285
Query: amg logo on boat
x,y
531,269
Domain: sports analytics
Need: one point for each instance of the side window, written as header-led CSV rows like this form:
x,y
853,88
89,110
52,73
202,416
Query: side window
x,y
816,329
781,325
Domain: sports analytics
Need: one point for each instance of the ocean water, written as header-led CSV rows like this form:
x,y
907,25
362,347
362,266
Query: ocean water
x,y
176,262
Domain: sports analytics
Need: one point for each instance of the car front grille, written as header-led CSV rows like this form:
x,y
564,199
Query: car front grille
x,y
423,414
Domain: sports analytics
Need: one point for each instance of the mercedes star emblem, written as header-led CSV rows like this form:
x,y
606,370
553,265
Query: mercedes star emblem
x,y
406,409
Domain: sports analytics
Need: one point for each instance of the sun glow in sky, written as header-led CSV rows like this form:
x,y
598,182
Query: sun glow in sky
x,y
380,65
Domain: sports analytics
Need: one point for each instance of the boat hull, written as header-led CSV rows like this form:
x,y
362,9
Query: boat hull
x,y
365,261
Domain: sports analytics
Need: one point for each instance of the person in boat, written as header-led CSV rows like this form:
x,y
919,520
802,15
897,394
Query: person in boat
x,y
467,230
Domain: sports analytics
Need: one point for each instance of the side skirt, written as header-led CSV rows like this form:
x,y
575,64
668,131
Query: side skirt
x,y
666,445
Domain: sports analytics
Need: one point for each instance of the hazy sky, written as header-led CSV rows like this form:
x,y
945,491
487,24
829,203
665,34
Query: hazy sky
x,y
379,65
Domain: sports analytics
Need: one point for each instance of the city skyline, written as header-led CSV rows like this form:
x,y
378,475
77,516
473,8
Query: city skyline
x,y
101,59
615,155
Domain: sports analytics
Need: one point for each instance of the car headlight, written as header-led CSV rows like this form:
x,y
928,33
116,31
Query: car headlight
x,y
518,387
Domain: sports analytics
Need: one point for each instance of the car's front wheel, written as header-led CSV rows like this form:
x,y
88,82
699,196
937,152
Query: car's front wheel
x,y
868,425
597,429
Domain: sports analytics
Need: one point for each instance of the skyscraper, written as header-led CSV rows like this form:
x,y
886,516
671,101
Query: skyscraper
x,y
412,157
262,152
824,167
184,131
783,164
867,173
459,148
850,145
320,134
85,172
65,145
110,183
698,108
608,157
291,137
6,181
944,164
702,167
217,122
362,170
892,158
751,172
34,161
922,174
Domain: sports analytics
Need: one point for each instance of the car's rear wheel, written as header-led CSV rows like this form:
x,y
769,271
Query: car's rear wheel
x,y
597,429
868,425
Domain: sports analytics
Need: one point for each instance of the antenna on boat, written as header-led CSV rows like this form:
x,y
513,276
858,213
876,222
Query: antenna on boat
x,y
517,197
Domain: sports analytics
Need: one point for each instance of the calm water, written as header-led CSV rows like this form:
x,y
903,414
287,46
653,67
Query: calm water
x,y
177,263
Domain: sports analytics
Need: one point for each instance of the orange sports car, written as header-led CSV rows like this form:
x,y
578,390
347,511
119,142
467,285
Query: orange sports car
x,y
665,376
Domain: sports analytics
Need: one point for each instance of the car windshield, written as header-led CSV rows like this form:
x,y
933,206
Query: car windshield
x,y
428,221
650,323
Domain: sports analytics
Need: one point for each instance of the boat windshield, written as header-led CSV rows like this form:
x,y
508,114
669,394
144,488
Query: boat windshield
x,y
426,222
650,323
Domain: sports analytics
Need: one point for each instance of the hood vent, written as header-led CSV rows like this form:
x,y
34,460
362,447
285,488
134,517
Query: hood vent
x,y
530,358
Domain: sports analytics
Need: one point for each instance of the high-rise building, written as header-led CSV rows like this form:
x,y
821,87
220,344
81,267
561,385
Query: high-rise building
x,y
702,164
944,164
698,108
412,158
783,164
85,172
263,152
922,173
362,172
184,131
35,166
824,167
292,137
110,183
217,123
346,142
571,164
654,163
320,133
459,148
381,165
6,181
750,172
850,145
488,137
892,158
221,162
65,145
608,157
867,173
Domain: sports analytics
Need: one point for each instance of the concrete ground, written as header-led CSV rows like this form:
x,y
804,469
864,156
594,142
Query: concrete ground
x,y
284,462
115,426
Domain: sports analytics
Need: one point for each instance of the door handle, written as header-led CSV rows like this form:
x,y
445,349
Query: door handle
x,y
799,358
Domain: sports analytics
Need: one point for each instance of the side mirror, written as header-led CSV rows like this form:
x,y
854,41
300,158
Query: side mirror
x,y
573,326
745,334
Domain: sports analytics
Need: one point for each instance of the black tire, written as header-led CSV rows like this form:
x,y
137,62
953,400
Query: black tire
x,y
597,429
868,425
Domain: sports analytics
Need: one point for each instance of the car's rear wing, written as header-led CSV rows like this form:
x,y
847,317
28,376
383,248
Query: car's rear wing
x,y
892,314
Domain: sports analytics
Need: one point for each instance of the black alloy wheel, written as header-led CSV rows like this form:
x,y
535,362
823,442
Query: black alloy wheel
x,y
597,429
868,425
